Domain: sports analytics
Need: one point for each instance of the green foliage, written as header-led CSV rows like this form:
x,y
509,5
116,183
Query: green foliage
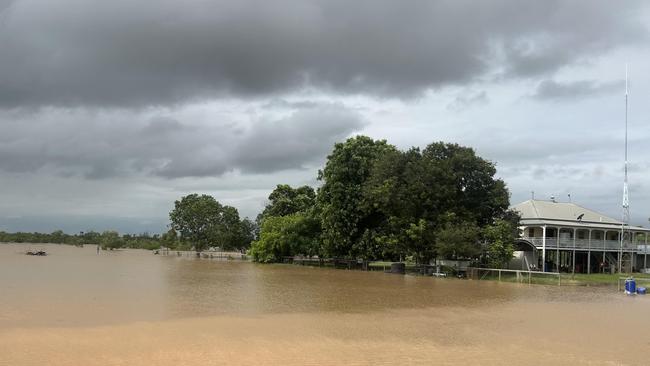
x,y
111,240
282,236
203,222
226,231
195,217
285,200
289,225
348,229
458,241
56,237
379,202
500,237
170,239
249,231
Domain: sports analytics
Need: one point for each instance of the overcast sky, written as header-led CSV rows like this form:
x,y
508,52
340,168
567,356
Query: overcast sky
x,y
111,110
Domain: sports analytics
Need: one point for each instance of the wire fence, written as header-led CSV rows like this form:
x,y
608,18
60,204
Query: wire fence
x,y
205,254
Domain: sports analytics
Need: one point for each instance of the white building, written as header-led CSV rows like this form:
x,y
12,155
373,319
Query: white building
x,y
560,236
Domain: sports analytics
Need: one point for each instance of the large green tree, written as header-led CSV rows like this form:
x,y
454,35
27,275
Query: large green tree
x,y
460,182
379,202
202,221
394,197
348,229
415,196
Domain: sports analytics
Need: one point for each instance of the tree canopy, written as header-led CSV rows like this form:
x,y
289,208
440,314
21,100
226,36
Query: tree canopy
x,y
285,200
286,235
375,201
347,227
289,225
379,202
202,221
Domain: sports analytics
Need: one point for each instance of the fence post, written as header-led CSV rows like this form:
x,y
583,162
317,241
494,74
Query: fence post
x,y
499,275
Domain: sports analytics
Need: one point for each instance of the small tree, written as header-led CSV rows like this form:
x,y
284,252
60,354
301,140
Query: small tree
x,y
170,239
456,241
111,240
500,237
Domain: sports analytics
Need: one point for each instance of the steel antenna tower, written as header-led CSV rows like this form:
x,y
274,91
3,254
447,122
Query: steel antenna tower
x,y
626,197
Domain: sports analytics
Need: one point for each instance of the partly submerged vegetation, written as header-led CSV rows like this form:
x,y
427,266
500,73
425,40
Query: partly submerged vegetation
x,y
377,202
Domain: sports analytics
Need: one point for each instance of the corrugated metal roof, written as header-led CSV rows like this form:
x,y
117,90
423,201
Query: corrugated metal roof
x,y
536,209
537,212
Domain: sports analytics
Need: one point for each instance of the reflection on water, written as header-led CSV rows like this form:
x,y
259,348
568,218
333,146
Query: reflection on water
x,y
131,307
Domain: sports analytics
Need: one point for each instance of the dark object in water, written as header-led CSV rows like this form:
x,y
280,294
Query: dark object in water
x,y
398,268
39,253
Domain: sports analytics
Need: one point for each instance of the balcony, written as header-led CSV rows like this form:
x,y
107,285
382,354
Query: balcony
x,y
582,244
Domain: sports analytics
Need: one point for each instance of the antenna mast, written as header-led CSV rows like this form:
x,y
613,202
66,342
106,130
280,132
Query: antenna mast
x,y
626,198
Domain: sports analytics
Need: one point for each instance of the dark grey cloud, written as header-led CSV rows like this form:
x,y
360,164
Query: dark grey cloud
x,y
98,146
160,52
304,137
558,91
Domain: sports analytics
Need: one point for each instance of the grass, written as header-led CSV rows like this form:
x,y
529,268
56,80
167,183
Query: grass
x,y
568,279
602,278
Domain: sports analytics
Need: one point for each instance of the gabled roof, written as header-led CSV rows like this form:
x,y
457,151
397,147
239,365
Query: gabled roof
x,y
564,211
564,214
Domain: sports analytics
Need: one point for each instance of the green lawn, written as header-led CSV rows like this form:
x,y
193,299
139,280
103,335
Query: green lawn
x,y
568,279
603,278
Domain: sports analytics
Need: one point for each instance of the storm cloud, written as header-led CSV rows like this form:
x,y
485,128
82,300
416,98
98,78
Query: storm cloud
x,y
108,144
111,110
161,52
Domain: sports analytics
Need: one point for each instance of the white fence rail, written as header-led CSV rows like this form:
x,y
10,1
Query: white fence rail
x,y
511,275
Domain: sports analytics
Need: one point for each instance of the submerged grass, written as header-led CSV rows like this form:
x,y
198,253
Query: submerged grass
x,y
568,279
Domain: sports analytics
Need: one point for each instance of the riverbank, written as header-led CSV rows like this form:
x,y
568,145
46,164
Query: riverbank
x,y
561,279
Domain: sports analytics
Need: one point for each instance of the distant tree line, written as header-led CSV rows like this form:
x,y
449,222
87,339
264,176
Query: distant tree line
x,y
107,239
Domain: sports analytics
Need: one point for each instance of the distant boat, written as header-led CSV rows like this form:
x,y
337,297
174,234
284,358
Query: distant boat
x,y
39,253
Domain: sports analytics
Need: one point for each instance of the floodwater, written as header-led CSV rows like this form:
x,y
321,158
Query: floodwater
x,y
75,307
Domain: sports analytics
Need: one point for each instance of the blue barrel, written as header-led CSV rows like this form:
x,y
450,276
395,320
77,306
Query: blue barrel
x,y
640,290
630,286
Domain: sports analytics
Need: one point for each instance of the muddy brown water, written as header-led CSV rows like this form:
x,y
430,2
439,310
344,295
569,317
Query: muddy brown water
x,y
74,307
